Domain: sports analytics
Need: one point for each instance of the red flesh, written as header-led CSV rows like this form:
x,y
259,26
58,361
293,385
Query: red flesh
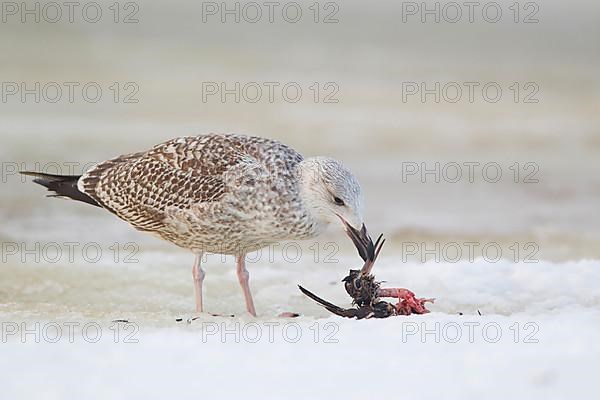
x,y
408,303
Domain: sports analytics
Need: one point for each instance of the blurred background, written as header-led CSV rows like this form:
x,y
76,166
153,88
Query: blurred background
x,y
379,91
375,126
468,127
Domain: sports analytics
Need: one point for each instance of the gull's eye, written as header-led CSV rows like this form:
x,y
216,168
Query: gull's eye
x,y
338,201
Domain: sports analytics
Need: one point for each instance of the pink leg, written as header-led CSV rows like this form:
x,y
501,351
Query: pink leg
x,y
408,303
198,275
244,277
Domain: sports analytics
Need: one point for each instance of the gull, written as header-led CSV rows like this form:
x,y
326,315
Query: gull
x,y
219,193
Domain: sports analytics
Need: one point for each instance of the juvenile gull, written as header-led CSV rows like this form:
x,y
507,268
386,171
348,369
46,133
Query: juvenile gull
x,y
219,193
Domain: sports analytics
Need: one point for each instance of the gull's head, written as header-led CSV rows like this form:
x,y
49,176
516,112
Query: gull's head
x,y
331,192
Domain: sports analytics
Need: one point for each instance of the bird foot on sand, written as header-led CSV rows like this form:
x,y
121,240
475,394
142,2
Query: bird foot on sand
x,y
287,314
408,303
195,317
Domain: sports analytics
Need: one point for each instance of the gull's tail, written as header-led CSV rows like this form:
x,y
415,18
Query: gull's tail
x,y
64,186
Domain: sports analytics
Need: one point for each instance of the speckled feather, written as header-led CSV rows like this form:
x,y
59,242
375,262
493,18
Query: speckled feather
x,y
227,194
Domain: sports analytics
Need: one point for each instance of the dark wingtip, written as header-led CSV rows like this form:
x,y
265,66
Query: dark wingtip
x,y
29,173
63,186
327,305
361,240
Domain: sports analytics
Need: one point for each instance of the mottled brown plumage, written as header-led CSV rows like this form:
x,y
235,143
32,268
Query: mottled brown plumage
x,y
226,194
204,192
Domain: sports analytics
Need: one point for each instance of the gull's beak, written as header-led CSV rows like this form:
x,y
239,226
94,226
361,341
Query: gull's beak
x,y
359,237
367,250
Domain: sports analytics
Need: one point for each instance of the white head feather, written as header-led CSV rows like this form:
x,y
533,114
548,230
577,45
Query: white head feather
x,y
330,191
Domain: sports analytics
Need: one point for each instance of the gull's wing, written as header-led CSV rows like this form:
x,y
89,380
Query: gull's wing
x,y
178,174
